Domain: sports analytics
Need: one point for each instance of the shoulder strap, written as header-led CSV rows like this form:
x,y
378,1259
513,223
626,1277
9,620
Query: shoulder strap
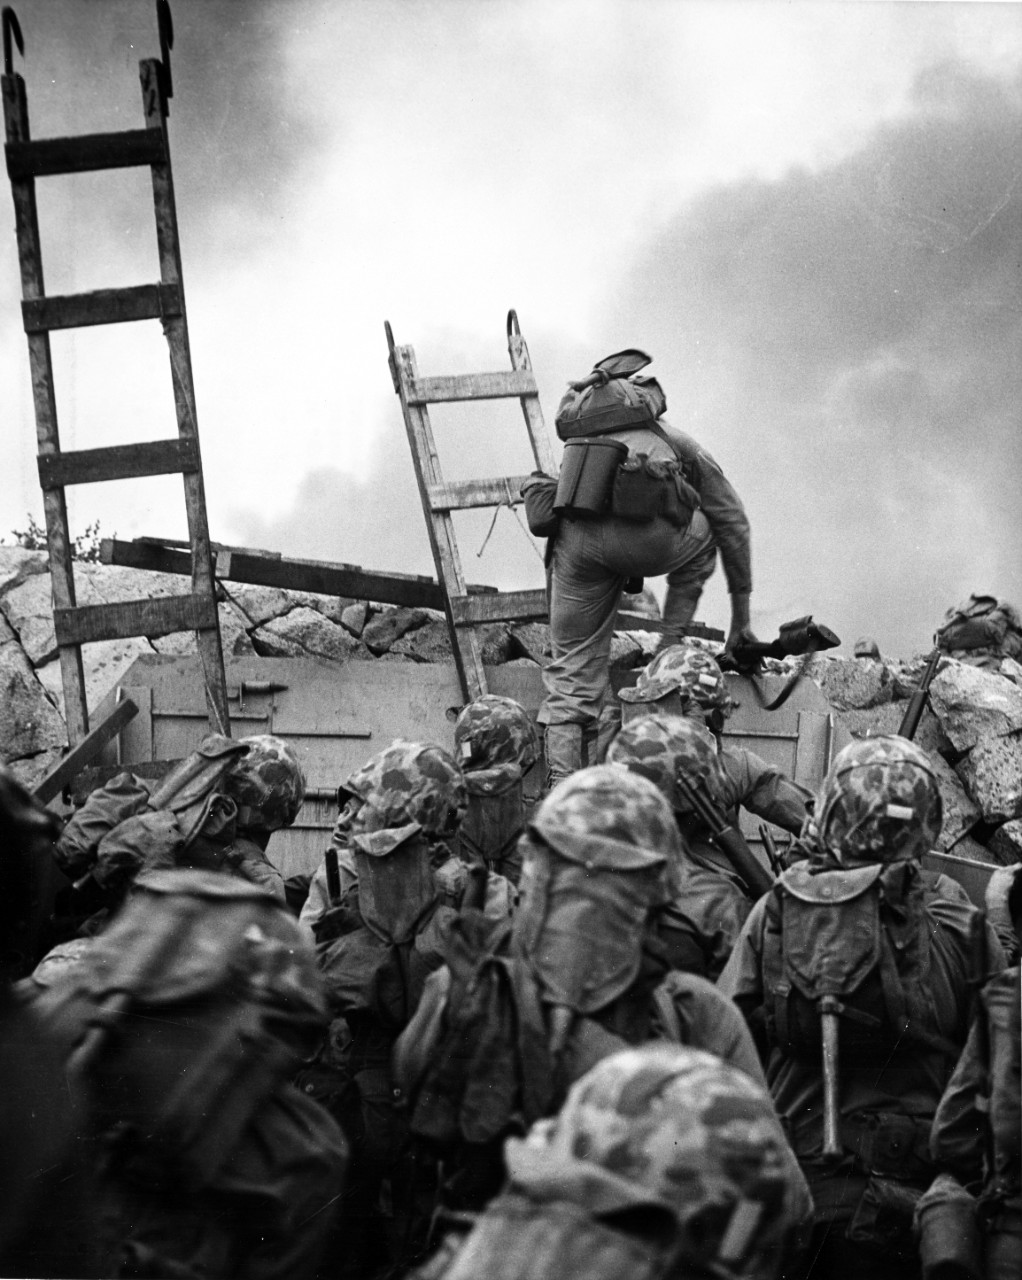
x,y
658,430
667,1013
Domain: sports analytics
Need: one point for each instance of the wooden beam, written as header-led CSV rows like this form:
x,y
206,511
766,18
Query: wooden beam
x,y
472,386
118,462
627,621
90,746
101,306
268,569
156,617
505,606
464,494
43,157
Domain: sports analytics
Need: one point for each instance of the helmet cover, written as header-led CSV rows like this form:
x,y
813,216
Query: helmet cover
x,y
662,748
668,1127
493,730
690,670
600,867
612,809
266,783
880,802
408,788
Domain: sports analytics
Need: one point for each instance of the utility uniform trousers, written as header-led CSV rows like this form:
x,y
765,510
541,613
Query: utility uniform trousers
x,y
592,560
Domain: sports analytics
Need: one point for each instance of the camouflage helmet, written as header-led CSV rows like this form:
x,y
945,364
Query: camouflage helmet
x,y
266,783
680,1134
662,747
612,809
407,788
879,802
494,730
691,671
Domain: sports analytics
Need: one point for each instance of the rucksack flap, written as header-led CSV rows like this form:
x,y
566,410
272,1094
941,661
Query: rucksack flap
x,y
838,936
104,809
495,816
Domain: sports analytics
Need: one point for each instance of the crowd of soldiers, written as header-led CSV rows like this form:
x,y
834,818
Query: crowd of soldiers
x,y
496,1038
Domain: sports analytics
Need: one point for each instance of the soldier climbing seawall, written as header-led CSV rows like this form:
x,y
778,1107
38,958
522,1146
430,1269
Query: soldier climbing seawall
x,y
636,497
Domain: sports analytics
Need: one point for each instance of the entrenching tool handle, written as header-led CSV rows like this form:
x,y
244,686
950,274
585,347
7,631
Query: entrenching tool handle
x,y
829,1008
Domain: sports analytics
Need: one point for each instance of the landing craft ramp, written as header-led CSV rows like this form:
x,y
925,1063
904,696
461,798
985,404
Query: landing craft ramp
x,y
336,716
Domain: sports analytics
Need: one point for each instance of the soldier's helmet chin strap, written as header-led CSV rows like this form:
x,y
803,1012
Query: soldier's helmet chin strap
x,y
561,1018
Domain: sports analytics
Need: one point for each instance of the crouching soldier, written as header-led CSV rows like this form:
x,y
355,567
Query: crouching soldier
x,y
713,901
363,788
183,1021
665,1163
518,1014
376,947
977,1132
496,744
860,978
686,680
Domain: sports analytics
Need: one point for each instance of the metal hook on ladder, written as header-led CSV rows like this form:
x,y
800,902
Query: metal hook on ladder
x,y
165,25
12,29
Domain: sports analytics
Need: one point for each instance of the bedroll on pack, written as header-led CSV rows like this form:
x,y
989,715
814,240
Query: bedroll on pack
x,y
199,999
611,398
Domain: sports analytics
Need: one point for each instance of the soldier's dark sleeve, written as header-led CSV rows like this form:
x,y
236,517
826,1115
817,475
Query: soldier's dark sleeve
x,y
742,978
764,790
957,1136
723,509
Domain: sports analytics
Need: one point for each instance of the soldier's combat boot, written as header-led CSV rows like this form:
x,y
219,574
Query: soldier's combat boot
x,y
562,744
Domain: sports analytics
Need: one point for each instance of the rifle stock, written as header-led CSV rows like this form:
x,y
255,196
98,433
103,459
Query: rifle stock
x,y
729,840
917,703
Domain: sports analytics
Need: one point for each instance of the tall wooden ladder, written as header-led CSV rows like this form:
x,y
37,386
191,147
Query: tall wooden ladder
x,y
27,160
466,612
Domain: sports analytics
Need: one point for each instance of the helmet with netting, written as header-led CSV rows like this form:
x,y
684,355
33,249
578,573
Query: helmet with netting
x,y
611,807
410,784
691,671
880,802
664,747
676,1139
266,783
493,730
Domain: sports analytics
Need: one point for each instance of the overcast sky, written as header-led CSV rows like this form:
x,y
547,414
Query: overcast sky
x,y
808,213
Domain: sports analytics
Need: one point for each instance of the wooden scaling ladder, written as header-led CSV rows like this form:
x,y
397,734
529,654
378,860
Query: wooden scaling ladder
x,y
27,160
467,611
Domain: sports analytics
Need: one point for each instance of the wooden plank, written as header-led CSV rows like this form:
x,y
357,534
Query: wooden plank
x,y
471,386
118,462
464,494
257,568
157,617
972,876
627,620
44,157
101,306
506,606
86,750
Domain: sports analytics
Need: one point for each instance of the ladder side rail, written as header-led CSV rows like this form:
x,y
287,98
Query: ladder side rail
x,y
58,537
542,449
467,650
175,329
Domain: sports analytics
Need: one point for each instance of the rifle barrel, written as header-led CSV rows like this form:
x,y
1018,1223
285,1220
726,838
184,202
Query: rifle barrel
x,y
917,703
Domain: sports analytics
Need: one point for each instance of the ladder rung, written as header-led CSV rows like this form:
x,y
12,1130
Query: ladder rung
x,y
118,462
159,617
505,606
472,386
475,493
45,157
103,306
